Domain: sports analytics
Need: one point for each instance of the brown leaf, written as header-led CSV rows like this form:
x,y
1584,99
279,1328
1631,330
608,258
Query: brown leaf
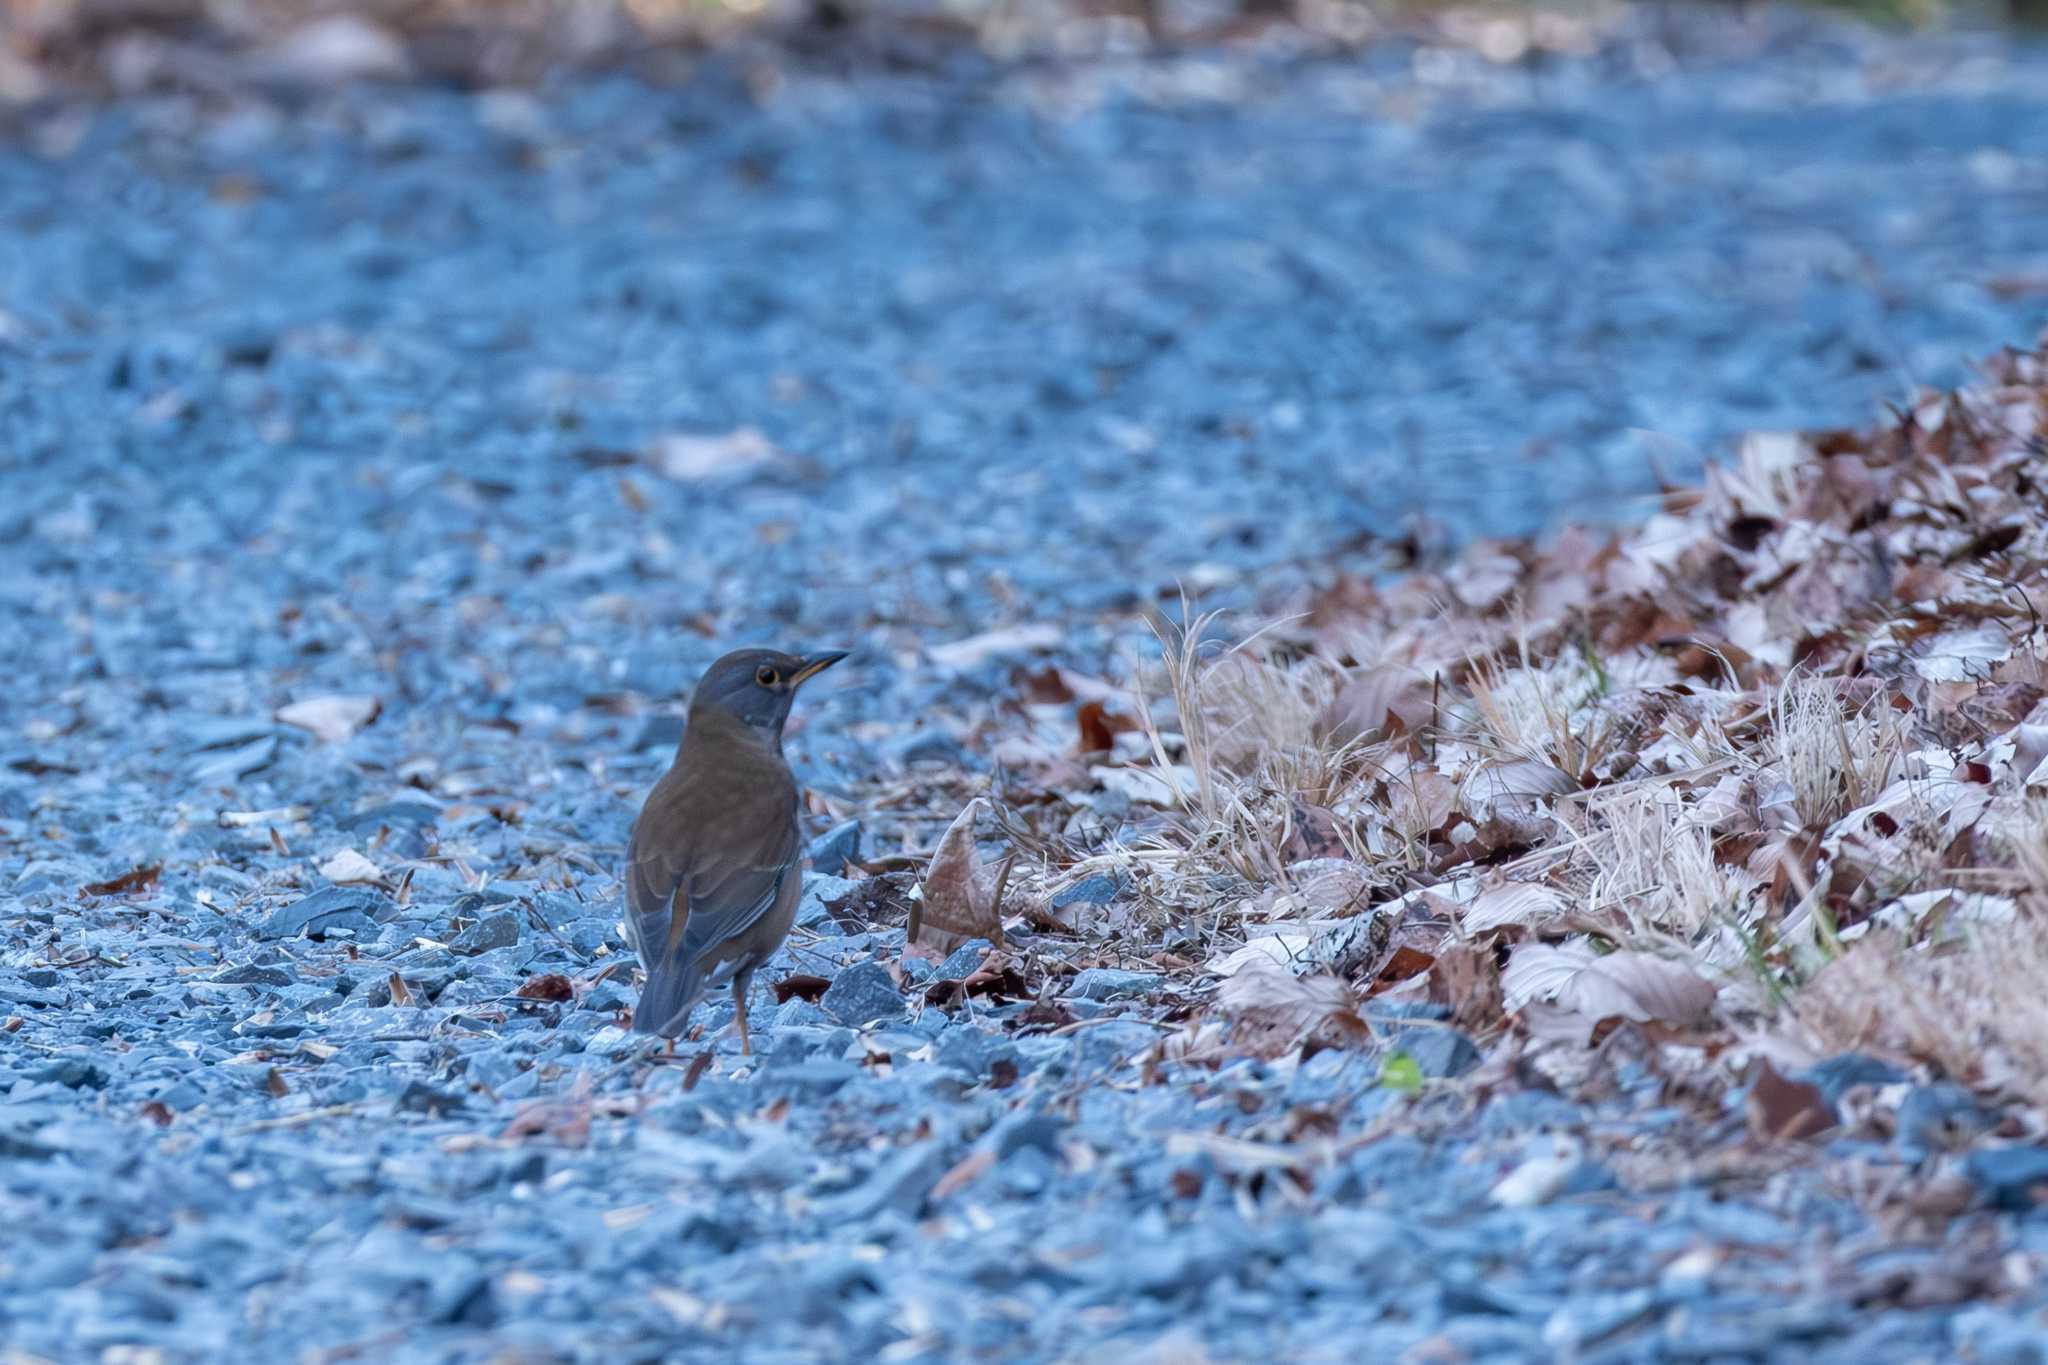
x,y
127,884
552,986
996,977
567,1120
1419,800
1784,1110
959,899
800,986
1376,704
1404,962
1099,728
1467,978
1273,1011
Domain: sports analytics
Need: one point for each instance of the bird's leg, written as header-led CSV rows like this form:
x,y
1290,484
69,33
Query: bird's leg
x,y
739,1002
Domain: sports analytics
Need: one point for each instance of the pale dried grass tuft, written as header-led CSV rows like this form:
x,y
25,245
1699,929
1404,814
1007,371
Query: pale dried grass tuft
x,y
1832,759
1974,1008
1657,869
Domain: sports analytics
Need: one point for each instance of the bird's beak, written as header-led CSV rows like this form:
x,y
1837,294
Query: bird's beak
x,y
817,663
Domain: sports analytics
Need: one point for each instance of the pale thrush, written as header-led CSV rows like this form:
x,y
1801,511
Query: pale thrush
x,y
714,868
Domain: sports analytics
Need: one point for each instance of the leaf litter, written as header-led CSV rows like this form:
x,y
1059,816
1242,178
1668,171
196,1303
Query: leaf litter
x,y
1726,784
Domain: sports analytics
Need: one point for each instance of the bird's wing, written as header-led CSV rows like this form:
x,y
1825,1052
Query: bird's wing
x,y
731,889
692,886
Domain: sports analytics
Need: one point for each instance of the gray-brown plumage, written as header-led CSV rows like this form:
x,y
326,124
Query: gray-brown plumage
x,y
714,867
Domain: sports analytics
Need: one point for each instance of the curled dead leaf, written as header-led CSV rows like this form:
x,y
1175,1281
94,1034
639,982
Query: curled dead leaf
x,y
129,883
959,898
800,986
550,986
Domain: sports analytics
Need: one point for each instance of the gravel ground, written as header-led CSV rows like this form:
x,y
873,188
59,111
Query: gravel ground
x,y
509,412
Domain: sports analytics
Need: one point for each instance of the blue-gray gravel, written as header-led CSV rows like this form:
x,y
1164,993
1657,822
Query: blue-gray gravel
x,y
360,401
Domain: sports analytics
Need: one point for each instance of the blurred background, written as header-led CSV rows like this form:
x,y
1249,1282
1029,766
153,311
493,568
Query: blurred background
x,y
124,43
808,318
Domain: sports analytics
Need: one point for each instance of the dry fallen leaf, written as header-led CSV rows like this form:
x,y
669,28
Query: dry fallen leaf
x,y
1272,1011
1419,800
331,719
1625,984
1516,790
1099,727
959,899
550,986
1784,1110
349,867
1520,904
801,986
1317,888
1961,656
1467,980
127,884
1376,704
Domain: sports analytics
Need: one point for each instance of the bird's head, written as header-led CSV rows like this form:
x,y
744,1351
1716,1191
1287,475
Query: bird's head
x,y
756,686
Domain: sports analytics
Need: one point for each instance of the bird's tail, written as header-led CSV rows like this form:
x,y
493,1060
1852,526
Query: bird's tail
x,y
672,991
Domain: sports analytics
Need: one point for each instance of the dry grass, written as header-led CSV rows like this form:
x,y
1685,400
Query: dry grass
x,y
1975,1008
1831,759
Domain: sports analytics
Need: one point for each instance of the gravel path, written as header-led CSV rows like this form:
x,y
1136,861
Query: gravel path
x,y
510,412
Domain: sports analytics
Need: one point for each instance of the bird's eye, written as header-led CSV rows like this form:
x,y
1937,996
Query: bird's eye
x,y
767,676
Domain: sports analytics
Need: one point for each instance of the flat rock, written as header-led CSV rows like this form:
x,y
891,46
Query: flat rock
x,y
2014,1178
831,851
862,994
1440,1053
492,931
331,907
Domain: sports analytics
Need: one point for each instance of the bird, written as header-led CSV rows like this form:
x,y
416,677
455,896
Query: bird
x,y
714,861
